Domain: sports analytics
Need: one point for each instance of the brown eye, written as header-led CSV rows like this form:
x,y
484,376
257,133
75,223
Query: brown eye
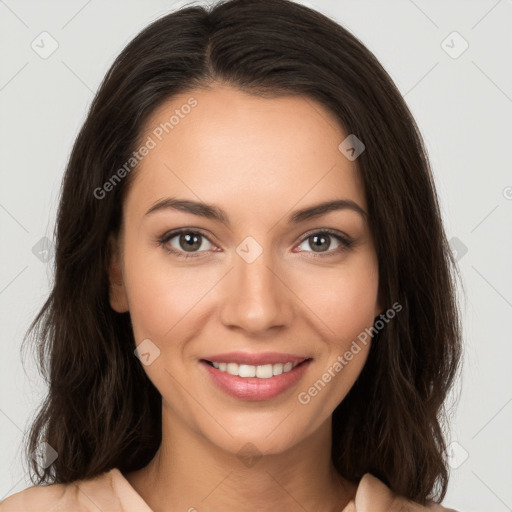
x,y
184,241
189,241
321,242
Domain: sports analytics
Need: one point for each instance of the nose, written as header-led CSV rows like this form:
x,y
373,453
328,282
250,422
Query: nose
x,y
257,296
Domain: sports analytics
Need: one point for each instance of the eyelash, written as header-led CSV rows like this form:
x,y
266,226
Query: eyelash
x,y
346,243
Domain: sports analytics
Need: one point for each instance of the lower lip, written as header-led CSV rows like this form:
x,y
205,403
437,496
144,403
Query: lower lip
x,y
253,388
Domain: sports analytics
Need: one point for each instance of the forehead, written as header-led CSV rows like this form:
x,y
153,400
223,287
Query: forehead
x,y
252,155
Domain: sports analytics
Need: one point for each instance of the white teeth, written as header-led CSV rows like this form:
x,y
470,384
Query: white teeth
x,y
232,369
244,370
264,371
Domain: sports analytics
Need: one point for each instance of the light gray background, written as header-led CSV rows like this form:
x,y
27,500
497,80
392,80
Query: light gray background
x,y
463,107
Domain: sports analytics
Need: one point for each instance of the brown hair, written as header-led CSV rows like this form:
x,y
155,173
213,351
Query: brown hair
x,y
101,410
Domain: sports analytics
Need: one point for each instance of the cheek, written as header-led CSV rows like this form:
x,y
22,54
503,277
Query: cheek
x,y
353,309
162,296
152,295
346,306
344,301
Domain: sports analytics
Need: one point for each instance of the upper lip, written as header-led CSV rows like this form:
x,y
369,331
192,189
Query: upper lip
x,y
256,359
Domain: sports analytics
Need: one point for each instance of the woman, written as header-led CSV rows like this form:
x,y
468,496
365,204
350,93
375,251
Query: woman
x,y
254,301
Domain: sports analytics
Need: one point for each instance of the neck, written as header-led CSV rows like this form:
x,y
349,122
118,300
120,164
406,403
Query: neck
x,y
190,473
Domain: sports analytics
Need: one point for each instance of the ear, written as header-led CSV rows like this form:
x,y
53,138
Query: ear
x,y
117,291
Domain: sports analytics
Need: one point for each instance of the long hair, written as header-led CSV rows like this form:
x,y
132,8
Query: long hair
x,y
101,410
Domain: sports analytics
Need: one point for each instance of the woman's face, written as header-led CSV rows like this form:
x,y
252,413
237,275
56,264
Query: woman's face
x,y
257,281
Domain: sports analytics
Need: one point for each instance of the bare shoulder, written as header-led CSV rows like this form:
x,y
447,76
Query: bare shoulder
x,y
435,507
404,505
373,495
40,498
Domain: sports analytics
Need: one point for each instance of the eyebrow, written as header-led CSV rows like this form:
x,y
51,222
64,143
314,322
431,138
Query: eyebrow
x,y
215,213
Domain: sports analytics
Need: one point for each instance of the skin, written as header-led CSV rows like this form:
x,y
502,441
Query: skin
x,y
259,159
